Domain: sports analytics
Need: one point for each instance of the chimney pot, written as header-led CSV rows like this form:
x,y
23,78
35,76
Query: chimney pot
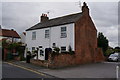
x,y
85,8
12,29
44,18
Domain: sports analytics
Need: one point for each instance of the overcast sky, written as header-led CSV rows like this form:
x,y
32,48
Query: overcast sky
x,y
23,15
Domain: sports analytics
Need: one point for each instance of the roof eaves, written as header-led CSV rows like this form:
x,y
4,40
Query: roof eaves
x,y
48,26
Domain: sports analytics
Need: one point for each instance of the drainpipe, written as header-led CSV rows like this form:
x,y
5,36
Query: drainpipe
x,y
50,37
49,47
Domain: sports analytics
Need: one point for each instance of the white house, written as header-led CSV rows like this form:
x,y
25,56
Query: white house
x,y
75,30
61,36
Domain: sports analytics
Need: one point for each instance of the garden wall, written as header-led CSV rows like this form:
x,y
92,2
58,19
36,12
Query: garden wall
x,y
63,60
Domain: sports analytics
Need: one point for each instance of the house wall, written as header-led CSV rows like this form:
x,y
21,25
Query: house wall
x,y
86,50
86,41
22,38
85,45
55,37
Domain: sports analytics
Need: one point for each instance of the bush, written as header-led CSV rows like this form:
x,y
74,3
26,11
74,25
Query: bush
x,y
70,51
56,50
28,53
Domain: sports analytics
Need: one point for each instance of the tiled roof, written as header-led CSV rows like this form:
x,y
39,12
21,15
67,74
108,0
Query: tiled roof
x,y
9,33
57,21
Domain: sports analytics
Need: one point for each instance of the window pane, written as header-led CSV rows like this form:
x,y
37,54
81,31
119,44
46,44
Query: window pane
x,y
63,32
46,33
33,35
63,49
33,48
63,29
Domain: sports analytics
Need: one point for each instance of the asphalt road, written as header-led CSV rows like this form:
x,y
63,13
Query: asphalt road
x,y
10,71
103,70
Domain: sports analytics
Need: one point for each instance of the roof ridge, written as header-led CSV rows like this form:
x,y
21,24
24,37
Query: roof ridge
x,y
66,15
62,20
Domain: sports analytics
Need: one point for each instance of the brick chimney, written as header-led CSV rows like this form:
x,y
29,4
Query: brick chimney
x,y
12,29
44,18
85,9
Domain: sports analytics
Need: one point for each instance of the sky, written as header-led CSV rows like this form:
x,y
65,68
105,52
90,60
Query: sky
x,y
23,15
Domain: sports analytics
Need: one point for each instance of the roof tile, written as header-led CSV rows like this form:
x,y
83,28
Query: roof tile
x,y
57,21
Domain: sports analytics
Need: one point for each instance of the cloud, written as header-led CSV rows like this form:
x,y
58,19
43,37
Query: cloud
x,y
23,15
105,17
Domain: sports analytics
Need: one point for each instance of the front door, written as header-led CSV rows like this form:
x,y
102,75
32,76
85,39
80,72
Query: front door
x,y
47,51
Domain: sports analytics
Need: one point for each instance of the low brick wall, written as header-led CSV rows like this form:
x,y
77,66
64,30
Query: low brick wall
x,y
63,60
17,58
40,62
57,61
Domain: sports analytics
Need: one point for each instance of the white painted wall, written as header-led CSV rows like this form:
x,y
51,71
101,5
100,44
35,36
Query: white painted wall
x,y
23,38
55,37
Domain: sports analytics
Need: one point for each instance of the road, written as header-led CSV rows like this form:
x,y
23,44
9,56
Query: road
x,y
90,71
10,71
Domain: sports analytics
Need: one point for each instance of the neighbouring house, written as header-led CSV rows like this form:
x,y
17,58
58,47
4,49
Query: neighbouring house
x,y
76,31
9,36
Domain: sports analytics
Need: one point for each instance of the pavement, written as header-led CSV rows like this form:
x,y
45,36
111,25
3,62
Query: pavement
x,y
93,70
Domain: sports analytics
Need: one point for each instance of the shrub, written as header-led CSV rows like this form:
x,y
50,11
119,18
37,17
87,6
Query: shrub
x,y
56,50
70,51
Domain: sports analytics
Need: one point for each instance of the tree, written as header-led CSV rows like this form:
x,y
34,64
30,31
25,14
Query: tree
x,y
102,42
109,51
117,49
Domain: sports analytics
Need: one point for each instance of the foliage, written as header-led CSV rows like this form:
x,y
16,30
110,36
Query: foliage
x,y
10,46
117,49
56,50
28,53
13,47
102,42
4,44
35,52
109,51
71,51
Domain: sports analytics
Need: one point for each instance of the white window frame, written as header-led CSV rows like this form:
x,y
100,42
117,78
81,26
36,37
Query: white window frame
x,y
34,35
47,33
63,32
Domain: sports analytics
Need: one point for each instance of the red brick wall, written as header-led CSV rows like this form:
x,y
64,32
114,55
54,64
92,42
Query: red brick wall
x,y
99,57
40,62
86,41
5,54
62,60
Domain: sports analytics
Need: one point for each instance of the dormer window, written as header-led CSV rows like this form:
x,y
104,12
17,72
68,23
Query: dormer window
x,y
63,32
